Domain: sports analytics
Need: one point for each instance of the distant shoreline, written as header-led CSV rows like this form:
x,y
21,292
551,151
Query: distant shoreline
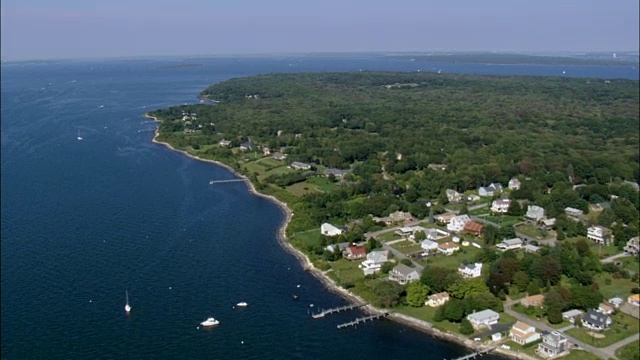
x,y
307,265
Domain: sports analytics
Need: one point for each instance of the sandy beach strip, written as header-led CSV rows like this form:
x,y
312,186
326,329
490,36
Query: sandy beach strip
x,y
329,283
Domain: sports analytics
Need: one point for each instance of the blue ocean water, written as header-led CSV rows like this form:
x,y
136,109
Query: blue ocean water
x,y
84,220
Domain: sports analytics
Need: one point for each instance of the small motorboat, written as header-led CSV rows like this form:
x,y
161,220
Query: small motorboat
x,y
295,297
242,304
210,322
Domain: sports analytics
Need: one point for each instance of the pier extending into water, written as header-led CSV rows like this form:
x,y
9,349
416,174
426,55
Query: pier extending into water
x,y
362,320
473,355
335,310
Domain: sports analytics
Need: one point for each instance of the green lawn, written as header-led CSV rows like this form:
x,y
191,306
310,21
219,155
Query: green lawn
x,y
580,355
306,238
301,188
630,263
623,327
617,287
464,256
630,351
322,183
533,232
389,236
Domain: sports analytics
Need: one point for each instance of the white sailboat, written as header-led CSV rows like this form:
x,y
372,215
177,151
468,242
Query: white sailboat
x,y
127,307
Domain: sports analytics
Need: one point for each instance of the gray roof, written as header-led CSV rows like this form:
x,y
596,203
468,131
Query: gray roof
x,y
483,315
572,313
595,318
403,270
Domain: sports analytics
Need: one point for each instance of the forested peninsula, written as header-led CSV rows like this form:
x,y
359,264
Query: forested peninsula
x,y
390,158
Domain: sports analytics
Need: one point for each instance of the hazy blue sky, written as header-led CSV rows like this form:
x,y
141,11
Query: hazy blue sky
x,y
36,29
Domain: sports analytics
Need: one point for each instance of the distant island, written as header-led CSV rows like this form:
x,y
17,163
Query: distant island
x,y
512,59
456,203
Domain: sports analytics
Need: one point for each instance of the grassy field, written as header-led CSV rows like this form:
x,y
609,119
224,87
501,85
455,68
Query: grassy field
x,y
623,326
630,351
301,188
533,232
617,287
630,263
464,256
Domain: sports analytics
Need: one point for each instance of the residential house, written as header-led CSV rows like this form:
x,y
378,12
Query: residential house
x,y
533,301
496,336
553,344
510,244
547,223
605,309
403,274
246,146
395,217
453,196
431,234
473,228
458,222
448,248
470,270
633,246
374,262
500,206
531,248
296,165
224,142
473,198
279,156
484,318
523,333
491,190
596,321
599,234
428,245
354,252
329,230
514,184
534,212
445,218
616,301
266,151
572,315
340,247
337,173
573,213
634,300
438,299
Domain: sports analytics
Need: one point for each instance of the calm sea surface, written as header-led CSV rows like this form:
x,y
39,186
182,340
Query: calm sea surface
x,y
84,220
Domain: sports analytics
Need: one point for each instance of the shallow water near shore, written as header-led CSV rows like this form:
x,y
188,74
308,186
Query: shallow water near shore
x,y
84,220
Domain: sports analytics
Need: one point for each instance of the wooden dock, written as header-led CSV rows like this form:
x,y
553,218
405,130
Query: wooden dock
x,y
473,355
225,181
362,320
335,310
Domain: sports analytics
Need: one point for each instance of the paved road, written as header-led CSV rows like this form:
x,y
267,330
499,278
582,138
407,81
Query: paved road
x,y
611,258
612,348
395,252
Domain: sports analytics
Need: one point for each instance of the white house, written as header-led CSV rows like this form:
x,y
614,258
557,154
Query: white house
x,y
500,205
403,274
453,196
616,301
523,333
457,223
438,299
445,218
572,315
510,244
634,299
534,212
448,248
224,142
514,184
573,213
596,321
428,245
296,165
374,262
470,270
484,318
599,234
491,190
329,230
633,246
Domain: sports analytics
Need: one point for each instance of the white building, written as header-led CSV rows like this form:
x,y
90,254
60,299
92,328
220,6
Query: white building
x,y
448,248
573,213
534,212
484,318
438,299
457,223
491,190
403,274
329,230
428,245
470,270
300,166
514,184
523,333
599,234
453,196
510,244
633,246
374,262
500,206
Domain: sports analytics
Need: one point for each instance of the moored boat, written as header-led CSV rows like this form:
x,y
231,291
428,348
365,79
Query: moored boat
x,y
210,322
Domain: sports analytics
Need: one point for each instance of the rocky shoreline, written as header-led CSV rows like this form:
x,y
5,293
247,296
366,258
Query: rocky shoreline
x,y
330,283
